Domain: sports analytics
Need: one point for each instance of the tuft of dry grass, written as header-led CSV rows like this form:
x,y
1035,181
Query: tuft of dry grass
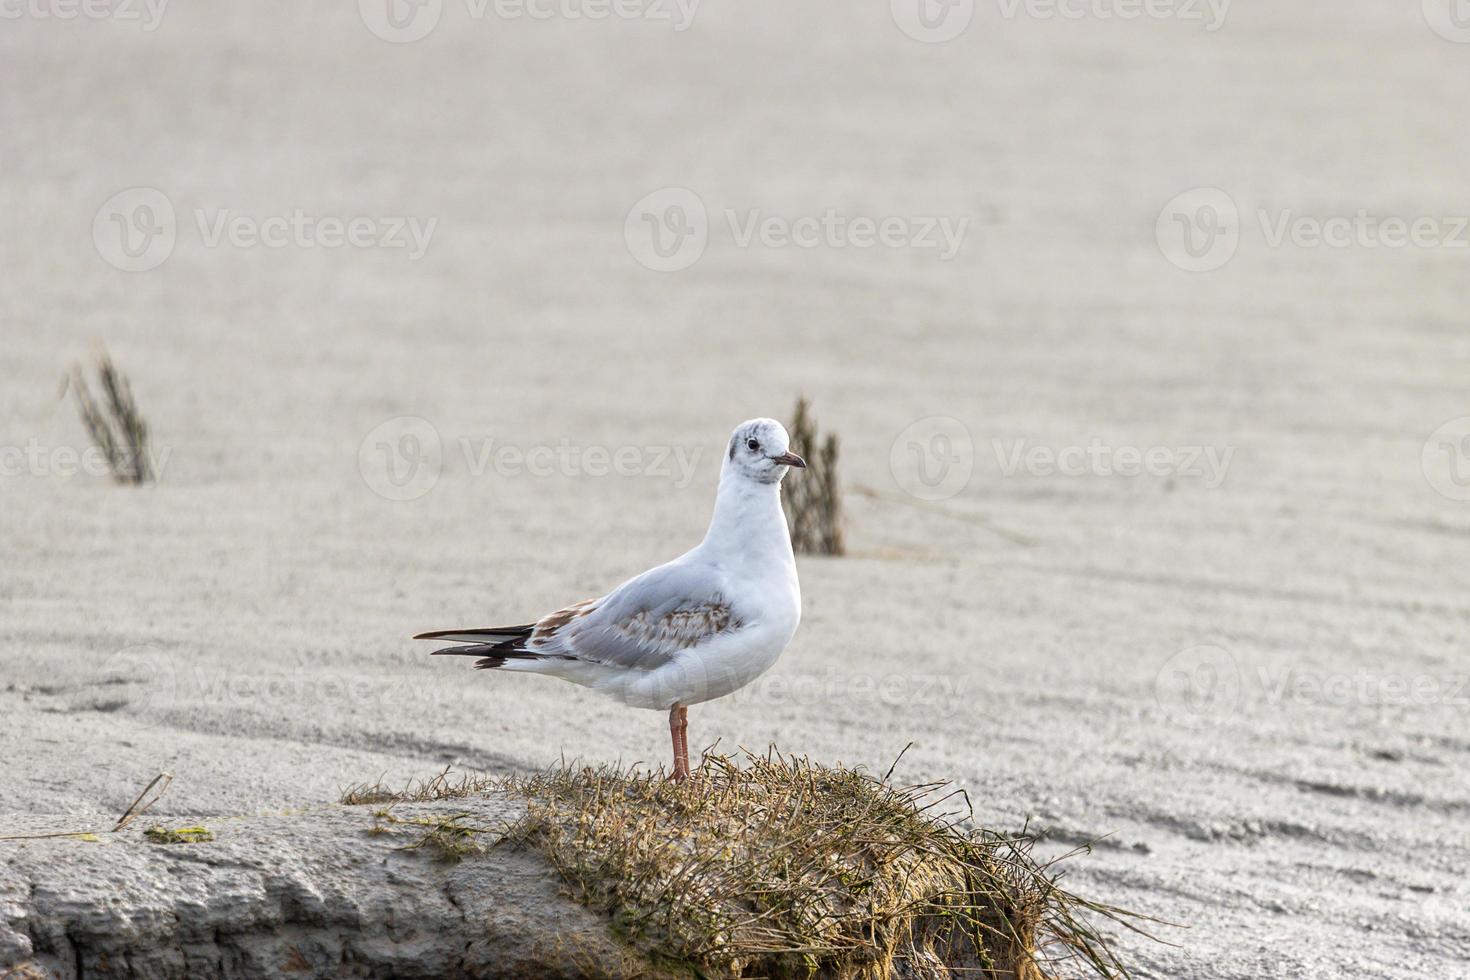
x,y
439,787
813,499
449,837
115,424
781,867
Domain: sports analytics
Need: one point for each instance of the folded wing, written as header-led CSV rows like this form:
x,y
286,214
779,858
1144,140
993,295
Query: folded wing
x,y
642,625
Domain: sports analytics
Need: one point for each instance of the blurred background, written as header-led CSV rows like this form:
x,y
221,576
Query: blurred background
x,y
1142,329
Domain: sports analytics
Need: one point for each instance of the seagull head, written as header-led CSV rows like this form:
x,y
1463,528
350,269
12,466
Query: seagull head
x,y
760,450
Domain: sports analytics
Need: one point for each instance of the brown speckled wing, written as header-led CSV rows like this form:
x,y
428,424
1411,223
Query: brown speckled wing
x,y
642,625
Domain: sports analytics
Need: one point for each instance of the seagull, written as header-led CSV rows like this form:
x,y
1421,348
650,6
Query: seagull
x,y
692,630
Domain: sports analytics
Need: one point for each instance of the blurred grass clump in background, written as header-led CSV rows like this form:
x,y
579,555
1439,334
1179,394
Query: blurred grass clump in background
x,y
813,500
116,426
781,867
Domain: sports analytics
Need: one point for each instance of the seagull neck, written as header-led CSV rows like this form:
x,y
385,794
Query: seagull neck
x,y
748,523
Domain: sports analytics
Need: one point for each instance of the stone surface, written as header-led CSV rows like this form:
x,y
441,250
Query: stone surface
x,y
302,894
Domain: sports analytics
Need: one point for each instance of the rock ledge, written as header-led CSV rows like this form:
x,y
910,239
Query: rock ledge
x,y
314,893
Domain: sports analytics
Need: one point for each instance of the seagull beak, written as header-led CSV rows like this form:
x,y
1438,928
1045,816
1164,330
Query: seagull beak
x,y
790,459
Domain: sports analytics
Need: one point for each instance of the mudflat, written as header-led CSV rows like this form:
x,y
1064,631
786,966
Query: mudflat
x,y
1171,559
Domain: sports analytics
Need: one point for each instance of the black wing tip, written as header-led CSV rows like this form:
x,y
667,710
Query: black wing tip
x,y
503,631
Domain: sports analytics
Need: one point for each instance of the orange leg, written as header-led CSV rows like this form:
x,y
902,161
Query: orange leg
x,y
684,738
679,732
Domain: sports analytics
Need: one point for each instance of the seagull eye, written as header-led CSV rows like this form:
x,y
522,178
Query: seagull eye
x,y
752,445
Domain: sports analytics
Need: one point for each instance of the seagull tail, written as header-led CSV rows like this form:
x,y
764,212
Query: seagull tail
x,y
495,646
492,656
